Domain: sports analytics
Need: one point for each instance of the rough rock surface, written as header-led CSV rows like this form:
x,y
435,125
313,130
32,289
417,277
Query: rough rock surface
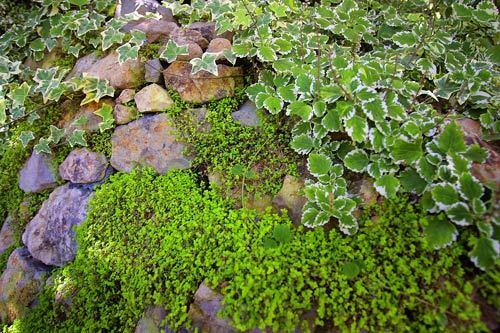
x,y
155,30
184,36
125,96
83,166
219,45
289,197
148,141
92,120
203,311
202,86
37,174
153,69
20,284
489,171
194,51
130,74
153,98
151,321
50,235
365,190
6,235
247,115
125,7
124,114
82,65
208,30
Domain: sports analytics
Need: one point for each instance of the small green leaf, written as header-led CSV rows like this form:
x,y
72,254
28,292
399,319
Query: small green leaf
x,y
407,151
476,153
350,269
356,160
19,93
273,104
470,187
440,233
77,138
42,146
485,253
357,128
452,139
412,182
127,51
266,53
282,233
25,137
301,109
319,164
302,143
387,186
459,213
56,134
331,121
444,194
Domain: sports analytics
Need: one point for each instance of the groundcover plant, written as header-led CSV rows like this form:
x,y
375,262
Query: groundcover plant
x,y
249,165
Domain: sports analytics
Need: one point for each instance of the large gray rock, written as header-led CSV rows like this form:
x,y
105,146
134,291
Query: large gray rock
x,y
202,86
125,7
207,29
153,98
247,115
125,96
83,166
124,114
290,198
6,235
203,311
82,65
130,74
153,71
37,174
20,283
155,30
50,235
147,141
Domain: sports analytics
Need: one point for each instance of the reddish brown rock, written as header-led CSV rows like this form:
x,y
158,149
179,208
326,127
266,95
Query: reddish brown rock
x,y
125,96
130,74
154,29
187,36
202,86
290,198
124,114
219,45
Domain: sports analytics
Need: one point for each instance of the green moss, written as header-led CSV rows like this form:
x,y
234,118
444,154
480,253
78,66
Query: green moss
x,y
256,157
150,51
152,239
65,61
100,142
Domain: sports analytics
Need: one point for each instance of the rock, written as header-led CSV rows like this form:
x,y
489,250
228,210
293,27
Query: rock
x,y
124,114
153,69
219,45
92,120
365,190
247,115
125,7
290,198
151,321
153,98
489,171
50,235
203,311
207,29
37,174
126,96
155,30
147,141
184,36
130,74
82,65
6,235
20,283
83,166
202,86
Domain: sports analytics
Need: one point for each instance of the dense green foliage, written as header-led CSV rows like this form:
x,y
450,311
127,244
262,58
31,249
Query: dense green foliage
x,y
152,239
256,157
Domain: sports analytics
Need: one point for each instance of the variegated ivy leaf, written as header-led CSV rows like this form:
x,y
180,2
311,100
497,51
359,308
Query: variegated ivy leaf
x,y
75,50
19,93
356,160
77,138
37,45
106,113
485,253
318,164
42,146
138,37
302,143
25,137
110,37
230,56
56,134
3,113
206,63
387,186
405,39
127,51
440,233
173,50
